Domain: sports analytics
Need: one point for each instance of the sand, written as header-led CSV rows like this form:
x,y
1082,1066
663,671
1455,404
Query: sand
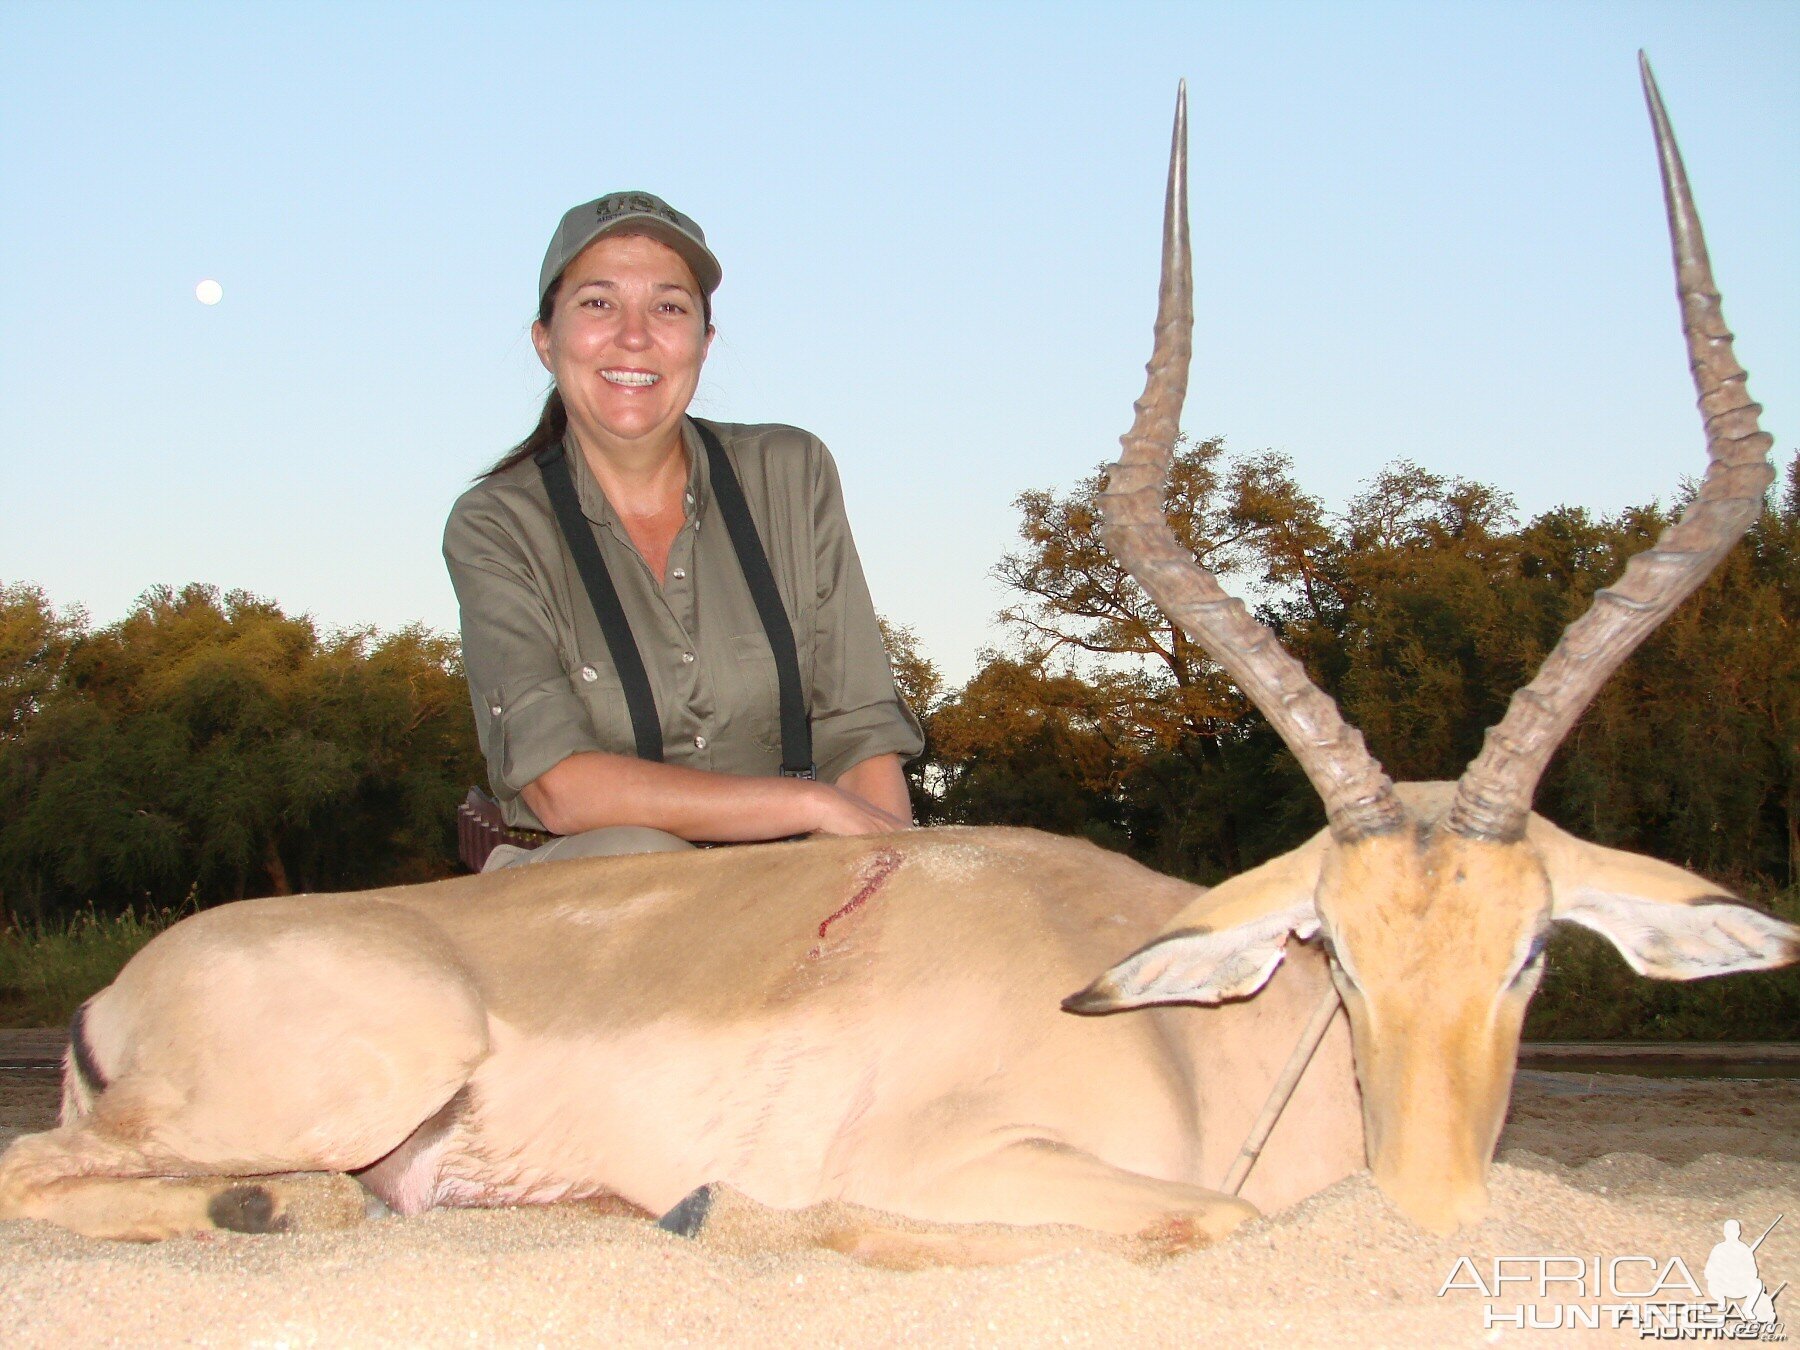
x,y
1590,1165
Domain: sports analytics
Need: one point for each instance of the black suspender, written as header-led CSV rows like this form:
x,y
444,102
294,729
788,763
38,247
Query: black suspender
x,y
646,726
796,726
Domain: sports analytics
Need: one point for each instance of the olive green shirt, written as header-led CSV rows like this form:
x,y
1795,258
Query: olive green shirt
x,y
543,684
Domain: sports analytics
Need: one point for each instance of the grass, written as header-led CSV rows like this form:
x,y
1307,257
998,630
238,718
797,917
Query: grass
x,y
48,969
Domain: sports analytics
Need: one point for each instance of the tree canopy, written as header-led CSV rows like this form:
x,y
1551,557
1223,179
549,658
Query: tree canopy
x,y
1421,608
208,746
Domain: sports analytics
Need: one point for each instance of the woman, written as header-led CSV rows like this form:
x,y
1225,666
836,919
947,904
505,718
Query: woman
x,y
624,324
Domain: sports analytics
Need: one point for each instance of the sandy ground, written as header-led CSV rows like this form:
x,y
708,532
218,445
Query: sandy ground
x,y
1591,1165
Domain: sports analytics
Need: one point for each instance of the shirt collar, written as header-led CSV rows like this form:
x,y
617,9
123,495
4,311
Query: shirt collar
x,y
599,510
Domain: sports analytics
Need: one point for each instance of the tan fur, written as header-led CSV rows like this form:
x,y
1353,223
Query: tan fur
x,y
1430,933
870,1021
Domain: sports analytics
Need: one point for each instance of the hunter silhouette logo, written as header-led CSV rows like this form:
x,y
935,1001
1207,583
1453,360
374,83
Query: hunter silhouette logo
x,y
1656,1296
1731,1276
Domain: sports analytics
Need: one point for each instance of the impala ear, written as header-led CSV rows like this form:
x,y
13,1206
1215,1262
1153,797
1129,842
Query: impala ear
x,y
1197,966
1685,942
1225,945
1666,922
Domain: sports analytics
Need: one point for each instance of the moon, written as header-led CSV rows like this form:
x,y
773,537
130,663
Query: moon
x,y
209,292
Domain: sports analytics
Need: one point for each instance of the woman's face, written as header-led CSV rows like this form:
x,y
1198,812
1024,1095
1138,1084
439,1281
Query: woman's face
x,y
625,342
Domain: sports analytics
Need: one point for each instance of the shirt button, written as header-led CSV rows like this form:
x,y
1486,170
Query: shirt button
x,y
589,674
687,658
680,574
699,742
495,709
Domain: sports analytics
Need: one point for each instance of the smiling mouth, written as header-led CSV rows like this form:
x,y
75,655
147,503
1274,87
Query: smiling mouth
x,y
630,379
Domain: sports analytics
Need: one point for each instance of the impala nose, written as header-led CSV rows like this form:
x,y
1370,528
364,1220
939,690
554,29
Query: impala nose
x,y
1436,1203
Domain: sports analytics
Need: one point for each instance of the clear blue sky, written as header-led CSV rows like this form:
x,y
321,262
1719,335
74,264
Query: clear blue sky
x,y
1430,231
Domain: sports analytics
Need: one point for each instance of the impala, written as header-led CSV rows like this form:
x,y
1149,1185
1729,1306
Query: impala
x,y
883,1021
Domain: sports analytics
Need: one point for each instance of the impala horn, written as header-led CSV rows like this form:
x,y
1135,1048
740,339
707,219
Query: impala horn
x,y
1359,798
1493,797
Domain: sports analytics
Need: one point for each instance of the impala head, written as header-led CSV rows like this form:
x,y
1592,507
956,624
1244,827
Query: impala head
x,y
1433,901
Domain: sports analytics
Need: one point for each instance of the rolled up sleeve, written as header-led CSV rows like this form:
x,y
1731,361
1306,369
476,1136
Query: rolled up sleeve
x,y
527,714
856,711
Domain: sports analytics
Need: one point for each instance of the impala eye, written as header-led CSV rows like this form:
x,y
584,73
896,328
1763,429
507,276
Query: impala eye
x,y
1533,964
1340,972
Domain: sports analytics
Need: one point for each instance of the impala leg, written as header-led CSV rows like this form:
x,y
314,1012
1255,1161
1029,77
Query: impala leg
x,y
132,1171
41,1178
85,1179
1042,1181
1038,1181
729,1221
1023,1200
232,1055
151,1162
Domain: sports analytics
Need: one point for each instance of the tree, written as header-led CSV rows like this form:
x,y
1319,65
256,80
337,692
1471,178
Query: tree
x,y
1022,745
1178,722
209,746
34,643
1692,751
1432,631
920,687
1078,604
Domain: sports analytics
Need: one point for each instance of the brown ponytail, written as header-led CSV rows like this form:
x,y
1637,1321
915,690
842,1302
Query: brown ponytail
x,y
549,431
553,422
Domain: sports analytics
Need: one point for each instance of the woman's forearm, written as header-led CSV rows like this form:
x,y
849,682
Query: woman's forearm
x,y
592,790
881,782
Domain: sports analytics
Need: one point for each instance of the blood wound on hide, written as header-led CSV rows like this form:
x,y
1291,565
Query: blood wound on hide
x,y
870,877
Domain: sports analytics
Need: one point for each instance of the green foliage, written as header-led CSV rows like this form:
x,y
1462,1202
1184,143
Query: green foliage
x,y
34,643
921,686
210,744
1692,751
47,970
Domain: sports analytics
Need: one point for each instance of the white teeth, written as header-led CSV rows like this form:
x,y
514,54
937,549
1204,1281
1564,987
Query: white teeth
x,y
634,378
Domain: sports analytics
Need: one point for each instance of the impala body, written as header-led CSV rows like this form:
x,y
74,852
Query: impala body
x,y
871,1020
878,1020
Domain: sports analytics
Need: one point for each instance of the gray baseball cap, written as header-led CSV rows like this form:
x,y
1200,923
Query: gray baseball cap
x,y
629,213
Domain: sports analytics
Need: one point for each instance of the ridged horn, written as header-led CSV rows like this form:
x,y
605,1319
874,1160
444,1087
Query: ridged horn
x,y
1494,795
1359,799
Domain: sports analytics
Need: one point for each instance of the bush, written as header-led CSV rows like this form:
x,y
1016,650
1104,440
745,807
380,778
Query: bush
x,y
48,970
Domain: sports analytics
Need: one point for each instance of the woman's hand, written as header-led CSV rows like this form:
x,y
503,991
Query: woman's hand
x,y
841,812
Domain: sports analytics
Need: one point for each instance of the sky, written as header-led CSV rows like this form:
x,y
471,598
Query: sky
x,y
1430,232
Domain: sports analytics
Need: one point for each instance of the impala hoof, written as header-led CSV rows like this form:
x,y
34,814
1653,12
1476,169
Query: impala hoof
x,y
688,1217
246,1209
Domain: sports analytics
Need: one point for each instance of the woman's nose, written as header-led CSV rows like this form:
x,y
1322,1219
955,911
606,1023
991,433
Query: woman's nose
x,y
634,330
